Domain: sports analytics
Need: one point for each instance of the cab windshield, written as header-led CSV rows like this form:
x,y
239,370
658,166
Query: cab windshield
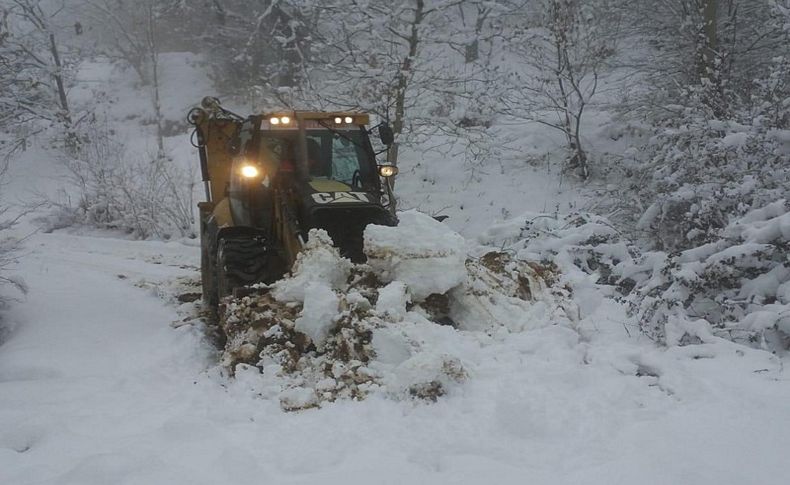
x,y
330,156
336,157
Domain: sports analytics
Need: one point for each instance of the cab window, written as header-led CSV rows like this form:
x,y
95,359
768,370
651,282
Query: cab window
x,y
337,157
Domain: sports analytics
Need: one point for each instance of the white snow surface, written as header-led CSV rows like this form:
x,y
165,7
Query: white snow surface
x,y
421,252
97,386
393,299
320,309
325,266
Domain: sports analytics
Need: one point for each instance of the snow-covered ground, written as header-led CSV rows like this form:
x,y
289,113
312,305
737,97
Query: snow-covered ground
x,y
107,378
97,386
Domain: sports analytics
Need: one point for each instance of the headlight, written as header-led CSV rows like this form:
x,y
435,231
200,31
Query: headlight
x,y
388,170
249,171
274,120
338,120
349,120
285,120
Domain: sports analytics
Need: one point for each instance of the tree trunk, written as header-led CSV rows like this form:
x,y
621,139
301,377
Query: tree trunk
x,y
403,83
709,69
160,142
65,112
154,59
570,102
709,11
472,52
578,160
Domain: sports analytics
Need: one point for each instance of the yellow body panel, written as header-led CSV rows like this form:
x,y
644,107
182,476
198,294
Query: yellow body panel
x,y
218,134
222,213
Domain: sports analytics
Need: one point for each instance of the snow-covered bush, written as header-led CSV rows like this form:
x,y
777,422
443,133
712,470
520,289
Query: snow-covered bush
x,y
698,173
706,195
704,176
737,286
9,246
708,161
581,245
148,198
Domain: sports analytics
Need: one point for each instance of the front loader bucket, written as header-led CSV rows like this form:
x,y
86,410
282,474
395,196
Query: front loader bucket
x,y
346,226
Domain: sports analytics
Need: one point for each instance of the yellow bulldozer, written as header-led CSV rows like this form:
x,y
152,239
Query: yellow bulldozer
x,y
271,177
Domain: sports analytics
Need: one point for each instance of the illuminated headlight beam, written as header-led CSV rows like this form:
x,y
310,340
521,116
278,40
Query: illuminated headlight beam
x,y
388,170
249,171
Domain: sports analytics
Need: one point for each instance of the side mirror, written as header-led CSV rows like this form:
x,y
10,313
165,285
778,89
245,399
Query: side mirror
x,y
386,135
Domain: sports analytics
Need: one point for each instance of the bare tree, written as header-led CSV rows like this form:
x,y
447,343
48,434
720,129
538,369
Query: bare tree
x,y
560,63
473,16
260,49
152,49
277,47
34,74
9,247
713,49
132,30
388,58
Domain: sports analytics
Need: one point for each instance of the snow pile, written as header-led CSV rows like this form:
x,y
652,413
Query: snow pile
x,y
426,256
318,312
319,263
393,299
407,325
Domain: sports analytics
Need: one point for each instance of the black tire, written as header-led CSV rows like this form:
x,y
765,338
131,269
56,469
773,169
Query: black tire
x,y
242,261
208,278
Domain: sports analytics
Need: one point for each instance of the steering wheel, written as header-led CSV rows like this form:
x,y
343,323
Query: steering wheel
x,y
356,179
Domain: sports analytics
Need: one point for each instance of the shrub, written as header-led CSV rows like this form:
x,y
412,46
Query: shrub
x,y
737,287
9,247
146,198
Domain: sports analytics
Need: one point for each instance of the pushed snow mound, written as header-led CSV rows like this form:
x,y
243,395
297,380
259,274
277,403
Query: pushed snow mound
x,y
319,263
407,325
422,253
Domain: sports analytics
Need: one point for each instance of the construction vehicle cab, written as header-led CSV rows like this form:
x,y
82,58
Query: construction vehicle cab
x,y
272,177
